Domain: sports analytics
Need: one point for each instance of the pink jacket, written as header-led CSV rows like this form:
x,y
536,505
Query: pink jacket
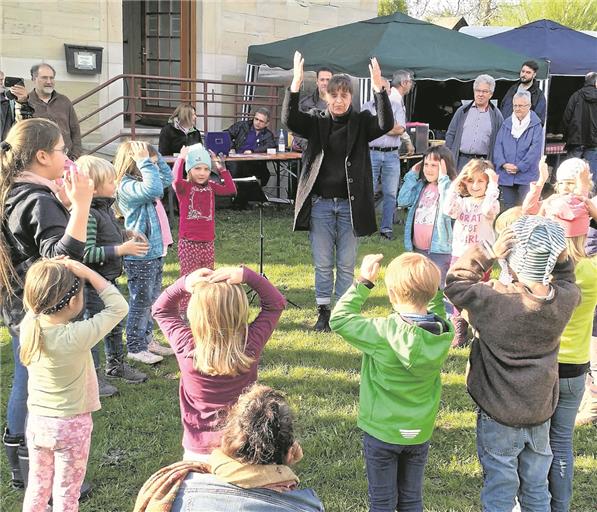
x,y
197,203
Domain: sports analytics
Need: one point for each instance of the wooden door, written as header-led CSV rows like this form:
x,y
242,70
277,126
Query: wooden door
x,y
169,52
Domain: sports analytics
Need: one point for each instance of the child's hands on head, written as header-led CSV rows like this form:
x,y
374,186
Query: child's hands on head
x,y
583,181
543,171
215,160
492,175
230,275
504,243
184,151
139,150
370,266
76,267
443,169
78,188
195,277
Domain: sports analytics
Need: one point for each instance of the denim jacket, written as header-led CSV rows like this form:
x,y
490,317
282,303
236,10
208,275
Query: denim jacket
x,y
441,241
207,492
136,200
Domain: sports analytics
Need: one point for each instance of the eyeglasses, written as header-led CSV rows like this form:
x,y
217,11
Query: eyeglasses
x,y
522,106
261,120
482,91
63,149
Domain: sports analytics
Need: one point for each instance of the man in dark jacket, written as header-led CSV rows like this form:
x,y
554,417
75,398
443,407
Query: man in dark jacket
x,y
250,137
334,199
580,124
527,82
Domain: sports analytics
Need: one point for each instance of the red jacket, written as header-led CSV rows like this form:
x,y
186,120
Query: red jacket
x,y
197,203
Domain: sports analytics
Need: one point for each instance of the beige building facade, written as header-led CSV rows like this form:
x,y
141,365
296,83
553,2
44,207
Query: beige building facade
x,y
205,39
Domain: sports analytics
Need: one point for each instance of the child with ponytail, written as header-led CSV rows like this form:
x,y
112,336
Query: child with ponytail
x,y
141,176
63,388
35,224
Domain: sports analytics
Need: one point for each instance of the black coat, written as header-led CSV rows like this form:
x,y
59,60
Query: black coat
x,y
580,118
172,139
35,227
363,127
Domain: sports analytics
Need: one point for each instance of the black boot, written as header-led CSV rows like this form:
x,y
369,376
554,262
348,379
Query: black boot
x,y
11,445
24,463
323,320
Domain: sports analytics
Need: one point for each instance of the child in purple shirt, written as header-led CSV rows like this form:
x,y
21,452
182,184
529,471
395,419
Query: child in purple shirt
x,y
219,352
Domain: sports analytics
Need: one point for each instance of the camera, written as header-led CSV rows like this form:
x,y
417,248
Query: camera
x,y
10,81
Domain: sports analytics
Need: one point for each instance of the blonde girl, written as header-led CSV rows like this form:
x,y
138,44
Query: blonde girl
x,y
219,351
63,388
574,353
35,224
141,177
473,201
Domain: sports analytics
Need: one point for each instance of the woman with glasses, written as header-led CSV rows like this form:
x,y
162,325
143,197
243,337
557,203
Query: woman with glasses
x,y
517,151
35,225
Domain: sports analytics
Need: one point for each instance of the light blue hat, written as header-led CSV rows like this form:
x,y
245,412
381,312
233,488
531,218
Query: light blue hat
x,y
197,155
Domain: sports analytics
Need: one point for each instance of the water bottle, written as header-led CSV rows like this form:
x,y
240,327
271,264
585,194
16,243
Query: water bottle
x,y
281,142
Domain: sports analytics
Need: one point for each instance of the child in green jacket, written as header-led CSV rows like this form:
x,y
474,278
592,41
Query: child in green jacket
x,y
400,374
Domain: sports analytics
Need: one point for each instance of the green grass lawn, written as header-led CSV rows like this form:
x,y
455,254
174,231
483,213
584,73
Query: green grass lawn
x,y
139,431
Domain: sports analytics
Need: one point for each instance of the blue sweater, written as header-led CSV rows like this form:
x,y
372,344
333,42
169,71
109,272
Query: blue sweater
x,y
136,200
524,152
441,240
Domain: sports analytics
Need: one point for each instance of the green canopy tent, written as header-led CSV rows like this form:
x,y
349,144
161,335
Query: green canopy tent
x,y
399,42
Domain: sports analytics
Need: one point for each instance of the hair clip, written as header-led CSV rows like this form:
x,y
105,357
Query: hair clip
x,y
5,146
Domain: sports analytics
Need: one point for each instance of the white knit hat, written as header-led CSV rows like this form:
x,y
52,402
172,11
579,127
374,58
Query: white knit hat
x,y
570,169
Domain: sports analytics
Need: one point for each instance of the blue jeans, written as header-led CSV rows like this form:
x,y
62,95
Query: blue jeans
x,y
388,165
113,341
17,401
513,196
145,283
395,475
515,461
560,438
590,155
332,242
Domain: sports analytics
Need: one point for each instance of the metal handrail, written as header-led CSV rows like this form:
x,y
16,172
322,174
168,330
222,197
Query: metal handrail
x,y
201,96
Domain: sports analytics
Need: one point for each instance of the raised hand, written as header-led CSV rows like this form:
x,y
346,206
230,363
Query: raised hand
x,y
504,244
543,171
133,247
215,160
20,93
78,188
297,72
377,81
443,169
184,151
139,150
491,174
230,275
370,266
195,277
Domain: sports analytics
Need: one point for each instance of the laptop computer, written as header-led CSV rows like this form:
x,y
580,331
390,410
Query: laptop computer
x,y
218,142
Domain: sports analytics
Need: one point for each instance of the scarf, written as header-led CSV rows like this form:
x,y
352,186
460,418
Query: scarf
x,y
276,477
159,491
518,127
36,179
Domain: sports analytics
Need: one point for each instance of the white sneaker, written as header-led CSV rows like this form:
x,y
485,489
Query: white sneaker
x,y
155,348
144,357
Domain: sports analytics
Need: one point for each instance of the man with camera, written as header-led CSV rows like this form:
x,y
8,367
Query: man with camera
x,y
12,91
44,101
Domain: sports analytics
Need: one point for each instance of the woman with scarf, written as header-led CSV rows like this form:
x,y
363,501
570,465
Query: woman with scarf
x,y
517,151
250,471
